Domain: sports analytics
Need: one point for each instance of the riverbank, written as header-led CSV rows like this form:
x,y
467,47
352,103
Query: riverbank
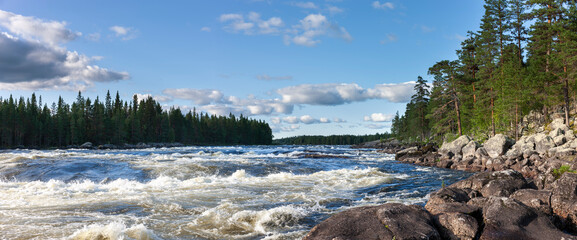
x,y
526,189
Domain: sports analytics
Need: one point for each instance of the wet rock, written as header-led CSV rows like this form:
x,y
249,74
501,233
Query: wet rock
x,y
498,145
387,221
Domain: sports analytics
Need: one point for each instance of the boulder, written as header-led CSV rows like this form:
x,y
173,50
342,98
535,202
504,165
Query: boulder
x,y
450,200
86,145
543,143
454,225
387,221
407,152
470,149
539,200
564,200
499,183
559,140
455,147
506,218
498,145
558,123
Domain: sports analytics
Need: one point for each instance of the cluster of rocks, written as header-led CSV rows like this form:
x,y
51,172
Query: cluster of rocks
x,y
536,156
89,145
489,205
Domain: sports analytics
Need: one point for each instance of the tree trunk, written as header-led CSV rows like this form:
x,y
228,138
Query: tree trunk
x,y
492,113
458,117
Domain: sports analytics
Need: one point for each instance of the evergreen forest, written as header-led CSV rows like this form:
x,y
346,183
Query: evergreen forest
x,y
523,58
331,140
28,123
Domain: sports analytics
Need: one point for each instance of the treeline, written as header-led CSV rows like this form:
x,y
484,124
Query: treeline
x,y
331,140
28,123
523,58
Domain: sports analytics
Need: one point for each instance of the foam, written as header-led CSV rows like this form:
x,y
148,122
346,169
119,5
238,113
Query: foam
x,y
114,230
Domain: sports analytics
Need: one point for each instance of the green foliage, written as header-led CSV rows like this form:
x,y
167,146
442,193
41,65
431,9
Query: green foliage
x,y
523,58
26,123
558,172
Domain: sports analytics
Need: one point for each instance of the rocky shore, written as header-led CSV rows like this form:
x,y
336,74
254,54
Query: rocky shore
x,y
526,189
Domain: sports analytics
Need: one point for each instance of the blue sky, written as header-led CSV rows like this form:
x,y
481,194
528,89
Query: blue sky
x,y
305,67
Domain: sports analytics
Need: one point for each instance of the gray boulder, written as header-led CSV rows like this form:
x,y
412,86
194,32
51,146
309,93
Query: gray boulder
x,y
499,183
455,147
454,225
470,149
543,144
498,145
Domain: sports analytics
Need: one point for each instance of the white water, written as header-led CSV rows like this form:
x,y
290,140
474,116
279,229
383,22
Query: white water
x,y
196,193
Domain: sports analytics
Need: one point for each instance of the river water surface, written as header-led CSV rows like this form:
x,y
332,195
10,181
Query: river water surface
x,y
244,192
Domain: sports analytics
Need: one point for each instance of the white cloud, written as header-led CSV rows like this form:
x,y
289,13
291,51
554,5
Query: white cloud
x,y
93,37
307,5
330,94
252,25
384,5
266,77
336,94
126,33
379,117
31,28
198,96
335,10
305,119
398,92
314,26
339,120
205,29
376,126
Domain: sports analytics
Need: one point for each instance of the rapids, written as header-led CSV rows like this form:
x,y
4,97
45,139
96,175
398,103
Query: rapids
x,y
240,192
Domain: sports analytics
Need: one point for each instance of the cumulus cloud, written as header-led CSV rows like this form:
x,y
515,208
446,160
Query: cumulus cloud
x,y
314,26
33,59
384,5
31,28
198,96
379,117
32,65
331,94
251,24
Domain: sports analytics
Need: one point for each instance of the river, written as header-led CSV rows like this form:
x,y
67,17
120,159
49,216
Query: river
x,y
235,192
